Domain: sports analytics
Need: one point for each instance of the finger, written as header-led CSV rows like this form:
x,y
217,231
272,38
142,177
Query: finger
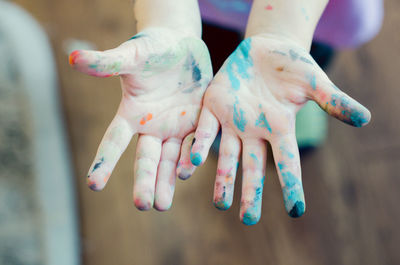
x,y
185,167
254,159
287,161
204,136
338,104
229,152
166,176
102,63
148,153
113,144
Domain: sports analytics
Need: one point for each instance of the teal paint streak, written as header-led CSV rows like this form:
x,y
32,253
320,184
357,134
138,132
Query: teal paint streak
x,y
350,114
238,64
263,123
293,55
251,217
196,159
137,36
238,118
281,165
313,82
98,164
292,192
358,119
297,210
334,99
254,157
286,152
232,6
253,212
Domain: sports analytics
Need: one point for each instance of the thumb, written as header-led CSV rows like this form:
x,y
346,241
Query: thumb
x,y
103,63
337,103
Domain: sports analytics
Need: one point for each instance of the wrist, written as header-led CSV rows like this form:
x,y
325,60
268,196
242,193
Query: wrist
x,y
293,20
177,15
284,37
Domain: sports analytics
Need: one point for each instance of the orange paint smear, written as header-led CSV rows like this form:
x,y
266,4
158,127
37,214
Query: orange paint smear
x,y
183,113
146,119
72,57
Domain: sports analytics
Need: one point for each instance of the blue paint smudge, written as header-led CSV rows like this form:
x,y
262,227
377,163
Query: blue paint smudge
x,y
93,186
297,210
279,52
258,194
262,122
193,66
292,192
293,55
304,59
196,74
281,165
254,157
286,152
238,118
196,159
351,115
250,218
344,102
238,64
358,119
137,36
334,99
98,164
313,81
232,6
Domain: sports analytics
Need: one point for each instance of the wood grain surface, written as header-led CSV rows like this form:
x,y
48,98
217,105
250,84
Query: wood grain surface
x,y
352,184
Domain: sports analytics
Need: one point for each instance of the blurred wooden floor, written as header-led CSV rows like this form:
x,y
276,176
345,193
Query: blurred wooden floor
x,y
352,183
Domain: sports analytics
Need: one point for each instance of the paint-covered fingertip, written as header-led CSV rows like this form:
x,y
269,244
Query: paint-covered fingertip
x,y
143,205
94,186
360,118
222,205
182,173
73,56
196,159
297,210
250,218
184,176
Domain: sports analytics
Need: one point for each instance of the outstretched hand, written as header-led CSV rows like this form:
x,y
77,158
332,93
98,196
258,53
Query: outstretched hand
x,y
254,98
164,74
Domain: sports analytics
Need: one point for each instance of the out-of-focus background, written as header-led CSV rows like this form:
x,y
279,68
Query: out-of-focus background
x,y
352,184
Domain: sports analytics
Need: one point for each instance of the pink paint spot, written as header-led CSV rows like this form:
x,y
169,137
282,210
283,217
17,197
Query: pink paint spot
x,y
269,7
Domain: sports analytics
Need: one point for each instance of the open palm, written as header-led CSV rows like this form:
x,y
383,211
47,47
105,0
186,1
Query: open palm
x,y
164,74
254,98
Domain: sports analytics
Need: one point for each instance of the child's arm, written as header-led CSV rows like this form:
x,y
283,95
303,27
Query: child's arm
x,y
182,15
254,98
164,71
295,20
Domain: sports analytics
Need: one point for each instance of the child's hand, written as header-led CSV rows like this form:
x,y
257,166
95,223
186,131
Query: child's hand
x,y
164,74
254,98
